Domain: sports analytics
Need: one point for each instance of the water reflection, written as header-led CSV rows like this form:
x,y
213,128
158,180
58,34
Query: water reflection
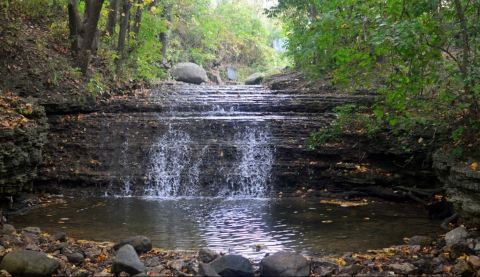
x,y
243,226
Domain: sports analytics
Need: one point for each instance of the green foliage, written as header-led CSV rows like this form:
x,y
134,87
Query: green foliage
x,y
421,56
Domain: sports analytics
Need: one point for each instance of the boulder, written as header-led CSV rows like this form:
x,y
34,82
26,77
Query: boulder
x,y
254,79
284,264
232,265
189,73
206,255
141,244
206,270
127,261
456,236
8,229
29,263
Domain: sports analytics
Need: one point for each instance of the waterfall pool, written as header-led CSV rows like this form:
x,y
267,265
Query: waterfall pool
x,y
250,227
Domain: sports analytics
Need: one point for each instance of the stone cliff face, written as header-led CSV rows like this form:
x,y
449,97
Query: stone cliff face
x,y
461,183
108,147
23,132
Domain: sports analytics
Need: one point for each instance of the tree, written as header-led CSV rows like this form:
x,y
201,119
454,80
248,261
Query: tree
x,y
112,16
84,34
124,23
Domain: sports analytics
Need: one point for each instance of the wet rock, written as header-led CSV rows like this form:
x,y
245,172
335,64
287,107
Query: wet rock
x,y
60,236
32,230
29,263
420,240
255,79
284,264
75,258
474,261
232,265
402,268
206,255
127,260
206,270
189,73
141,244
456,236
8,229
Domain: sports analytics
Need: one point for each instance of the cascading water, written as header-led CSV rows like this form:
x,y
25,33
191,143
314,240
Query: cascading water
x,y
211,149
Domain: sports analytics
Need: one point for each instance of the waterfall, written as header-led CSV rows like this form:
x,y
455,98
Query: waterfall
x,y
176,166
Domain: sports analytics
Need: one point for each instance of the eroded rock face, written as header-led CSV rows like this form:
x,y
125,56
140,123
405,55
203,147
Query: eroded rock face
x,y
462,185
23,133
189,73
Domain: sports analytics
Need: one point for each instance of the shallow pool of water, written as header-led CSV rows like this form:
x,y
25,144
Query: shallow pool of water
x,y
248,227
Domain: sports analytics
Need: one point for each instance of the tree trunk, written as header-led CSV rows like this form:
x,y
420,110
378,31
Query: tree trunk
x,y
464,64
84,34
164,36
112,17
123,33
138,19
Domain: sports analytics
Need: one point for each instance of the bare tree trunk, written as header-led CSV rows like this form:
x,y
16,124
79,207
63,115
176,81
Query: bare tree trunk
x,y
112,16
164,36
138,19
74,26
123,33
84,34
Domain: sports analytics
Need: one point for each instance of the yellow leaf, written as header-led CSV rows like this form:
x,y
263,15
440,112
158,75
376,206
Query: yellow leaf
x,y
474,166
340,262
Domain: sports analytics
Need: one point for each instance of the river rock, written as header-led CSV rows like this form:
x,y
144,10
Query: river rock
x,y
75,258
284,264
189,73
141,244
254,79
474,261
127,261
457,235
206,270
232,265
60,236
8,229
32,230
420,240
206,255
29,263
402,268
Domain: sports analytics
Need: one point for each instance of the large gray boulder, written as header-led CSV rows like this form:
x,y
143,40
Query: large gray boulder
x,y
29,263
254,79
141,244
189,73
232,265
283,264
456,236
127,261
206,255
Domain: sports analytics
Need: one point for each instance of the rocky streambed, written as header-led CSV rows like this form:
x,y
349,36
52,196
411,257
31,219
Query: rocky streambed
x,y
29,251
